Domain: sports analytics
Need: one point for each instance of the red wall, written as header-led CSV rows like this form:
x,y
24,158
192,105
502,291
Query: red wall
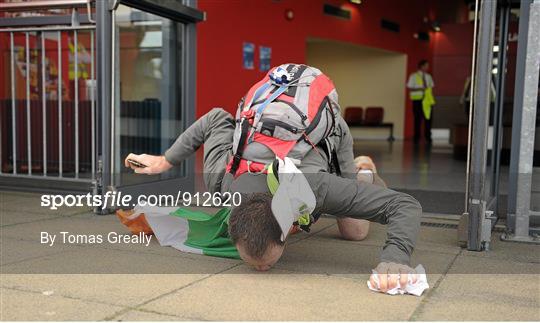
x,y
221,79
452,58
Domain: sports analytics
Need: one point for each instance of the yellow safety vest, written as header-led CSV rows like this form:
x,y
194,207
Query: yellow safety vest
x,y
427,102
417,94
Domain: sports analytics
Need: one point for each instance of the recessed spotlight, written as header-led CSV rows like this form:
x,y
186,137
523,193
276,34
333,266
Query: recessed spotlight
x,y
436,26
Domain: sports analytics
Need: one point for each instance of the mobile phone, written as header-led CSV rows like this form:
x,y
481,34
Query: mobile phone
x,y
136,163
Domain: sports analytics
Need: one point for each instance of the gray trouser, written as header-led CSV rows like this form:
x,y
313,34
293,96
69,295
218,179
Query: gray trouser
x,y
215,130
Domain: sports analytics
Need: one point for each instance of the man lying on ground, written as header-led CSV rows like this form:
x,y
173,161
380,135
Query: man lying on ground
x,y
239,162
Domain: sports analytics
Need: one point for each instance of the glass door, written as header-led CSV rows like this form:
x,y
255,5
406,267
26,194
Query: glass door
x,y
152,93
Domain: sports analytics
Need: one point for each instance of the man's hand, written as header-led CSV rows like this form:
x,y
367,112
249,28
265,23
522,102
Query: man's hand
x,y
365,162
154,164
390,273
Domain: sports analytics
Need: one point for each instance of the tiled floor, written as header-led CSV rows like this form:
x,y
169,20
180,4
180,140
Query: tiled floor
x,y
431,174
404,165
320,276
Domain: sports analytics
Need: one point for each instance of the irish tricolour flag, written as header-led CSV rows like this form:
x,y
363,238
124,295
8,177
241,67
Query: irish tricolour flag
x,y
195,230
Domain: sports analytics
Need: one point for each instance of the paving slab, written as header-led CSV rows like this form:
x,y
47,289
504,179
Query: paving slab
x,y
429,239
512,251
242,294
88,260
320,277
478,288
114,289
332,256
26,239
31,203
9,218
145,316
75,225
6,196
15,250
28,306
466,264
376,235
317,256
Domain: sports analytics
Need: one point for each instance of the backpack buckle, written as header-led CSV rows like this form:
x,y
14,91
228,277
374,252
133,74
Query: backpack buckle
x,y
249,114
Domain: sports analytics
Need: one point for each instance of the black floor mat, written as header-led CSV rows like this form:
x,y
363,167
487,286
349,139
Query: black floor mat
x,y
448,202
439,202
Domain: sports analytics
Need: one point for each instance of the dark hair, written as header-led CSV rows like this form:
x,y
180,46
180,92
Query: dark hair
x,y
422,63
253,224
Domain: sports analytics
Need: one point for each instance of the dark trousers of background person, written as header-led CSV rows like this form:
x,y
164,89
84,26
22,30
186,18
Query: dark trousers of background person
x,y
418,118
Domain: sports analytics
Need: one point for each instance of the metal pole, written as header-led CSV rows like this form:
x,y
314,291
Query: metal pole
x,y
524,11
187,70
103,64
471,106
113,98
60,125
93,105
1,131
526,94
477,191
44,104
28,119
42,5
13,105
53,28
499,101
76,79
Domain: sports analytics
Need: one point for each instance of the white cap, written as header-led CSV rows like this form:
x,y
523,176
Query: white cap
x,y
293,197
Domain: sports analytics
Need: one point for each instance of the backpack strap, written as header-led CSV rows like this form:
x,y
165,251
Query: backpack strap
x,y
335,163
331,154
257,94
245,124
272,178
237,157
263,106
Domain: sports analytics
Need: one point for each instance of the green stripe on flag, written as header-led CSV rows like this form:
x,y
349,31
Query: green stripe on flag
x,y
208,232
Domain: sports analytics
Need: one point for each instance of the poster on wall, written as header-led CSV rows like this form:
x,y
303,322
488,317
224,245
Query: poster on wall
x,y
248,55
265,56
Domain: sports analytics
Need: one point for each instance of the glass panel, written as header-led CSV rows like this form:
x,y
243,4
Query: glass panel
x,y
148,114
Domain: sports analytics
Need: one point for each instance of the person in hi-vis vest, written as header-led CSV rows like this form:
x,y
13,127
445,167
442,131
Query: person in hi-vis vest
x,y
420,85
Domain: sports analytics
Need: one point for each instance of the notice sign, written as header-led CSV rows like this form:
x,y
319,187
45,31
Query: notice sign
x,y
265,56
248,55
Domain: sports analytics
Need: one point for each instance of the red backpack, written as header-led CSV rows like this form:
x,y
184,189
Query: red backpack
x,y
290,111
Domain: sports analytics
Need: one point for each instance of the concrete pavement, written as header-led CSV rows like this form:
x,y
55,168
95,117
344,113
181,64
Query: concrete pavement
x,y
320,277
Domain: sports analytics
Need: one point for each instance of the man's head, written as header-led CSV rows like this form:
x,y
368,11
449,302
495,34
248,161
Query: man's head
x,y
255,231
423,65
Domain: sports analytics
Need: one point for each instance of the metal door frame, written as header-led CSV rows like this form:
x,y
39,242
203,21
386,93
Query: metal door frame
x,y
481,205
519,216
179,12
478,200
101,22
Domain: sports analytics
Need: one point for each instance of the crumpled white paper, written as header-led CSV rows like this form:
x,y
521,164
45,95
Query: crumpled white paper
x,y
416,289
